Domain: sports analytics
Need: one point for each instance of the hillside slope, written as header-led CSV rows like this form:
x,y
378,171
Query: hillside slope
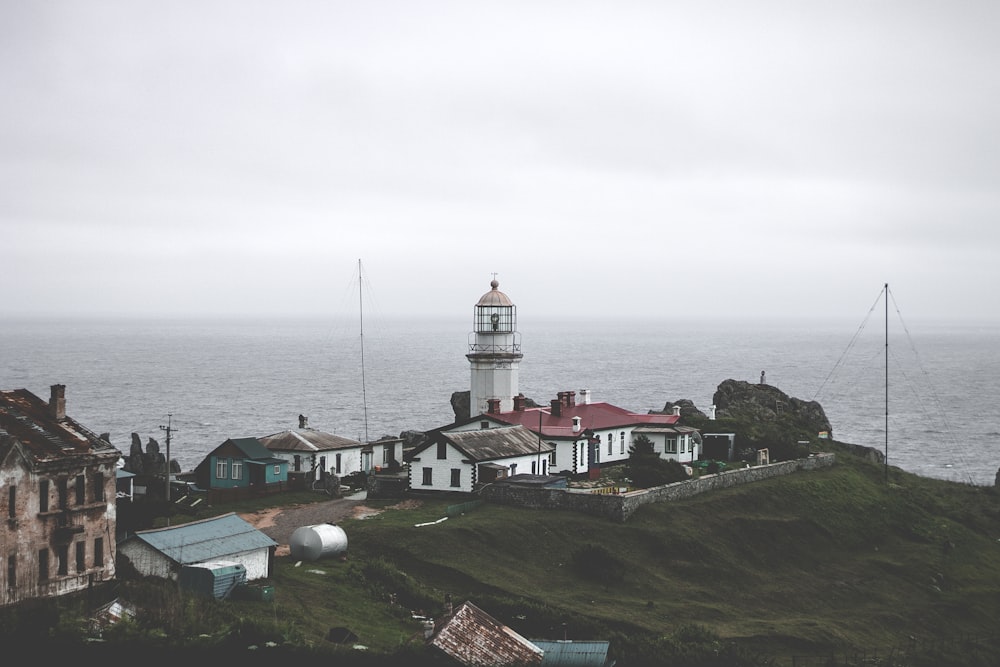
x,y
813,562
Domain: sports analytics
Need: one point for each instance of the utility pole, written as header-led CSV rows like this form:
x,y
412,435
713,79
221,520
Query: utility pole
x,y
169,429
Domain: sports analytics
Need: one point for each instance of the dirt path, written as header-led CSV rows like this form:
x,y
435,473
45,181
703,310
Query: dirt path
x,y
279,523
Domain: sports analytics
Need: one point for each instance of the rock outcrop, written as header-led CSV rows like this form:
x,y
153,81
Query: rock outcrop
x,y
149,462
687,406
739,399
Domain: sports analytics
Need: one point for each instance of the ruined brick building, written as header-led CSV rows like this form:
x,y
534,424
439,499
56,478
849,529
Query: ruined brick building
x,y
57,499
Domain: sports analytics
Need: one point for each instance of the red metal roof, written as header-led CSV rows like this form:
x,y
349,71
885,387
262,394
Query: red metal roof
x,y
593,416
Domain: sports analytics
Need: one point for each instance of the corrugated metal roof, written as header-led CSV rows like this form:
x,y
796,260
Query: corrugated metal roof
x,y
476,639
497,443
29,420
306,440
574,653
208,539
251,448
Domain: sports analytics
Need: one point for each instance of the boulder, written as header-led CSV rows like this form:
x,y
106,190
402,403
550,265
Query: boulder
x,y
739,399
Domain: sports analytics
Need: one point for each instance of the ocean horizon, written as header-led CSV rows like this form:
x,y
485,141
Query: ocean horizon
x,y
211,379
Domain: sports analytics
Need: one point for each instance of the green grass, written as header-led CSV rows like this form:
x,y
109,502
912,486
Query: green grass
x,y
834,560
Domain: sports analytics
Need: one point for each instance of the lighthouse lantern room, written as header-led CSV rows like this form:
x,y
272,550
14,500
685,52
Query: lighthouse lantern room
x,y
494,352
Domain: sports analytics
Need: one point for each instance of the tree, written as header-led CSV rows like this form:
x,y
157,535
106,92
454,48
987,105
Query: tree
x,y
646,468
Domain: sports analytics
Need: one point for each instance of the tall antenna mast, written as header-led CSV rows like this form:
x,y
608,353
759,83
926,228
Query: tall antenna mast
x,y
361,310
886,297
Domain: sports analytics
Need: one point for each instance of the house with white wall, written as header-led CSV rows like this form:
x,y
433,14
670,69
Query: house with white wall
x,y
589,434
458,461
319,453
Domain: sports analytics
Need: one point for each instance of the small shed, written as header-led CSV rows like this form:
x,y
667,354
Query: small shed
x,y
162,552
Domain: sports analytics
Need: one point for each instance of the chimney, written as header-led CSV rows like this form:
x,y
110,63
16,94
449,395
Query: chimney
x,y
556,407
519,403
303,421
428,628
493,406
677,410
576,424
571,398
57,403
711,412
584,397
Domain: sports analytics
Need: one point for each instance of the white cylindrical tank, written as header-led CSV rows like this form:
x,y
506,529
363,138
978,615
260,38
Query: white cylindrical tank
x,y
317,541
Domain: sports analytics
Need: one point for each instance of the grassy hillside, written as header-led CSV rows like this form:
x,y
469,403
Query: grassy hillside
x,y
833,561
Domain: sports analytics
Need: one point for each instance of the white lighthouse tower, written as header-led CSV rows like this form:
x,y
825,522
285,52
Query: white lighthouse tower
x,y
494,353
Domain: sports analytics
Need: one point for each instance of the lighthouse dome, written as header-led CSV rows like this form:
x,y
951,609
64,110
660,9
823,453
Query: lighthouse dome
x,y
494,297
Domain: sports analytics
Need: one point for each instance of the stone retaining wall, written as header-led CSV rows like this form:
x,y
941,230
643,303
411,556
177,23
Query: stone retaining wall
x,y
620,507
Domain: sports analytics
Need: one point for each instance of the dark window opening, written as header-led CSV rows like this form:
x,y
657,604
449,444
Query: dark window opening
x,y
80,488
43,564
43,495
98,551
81,563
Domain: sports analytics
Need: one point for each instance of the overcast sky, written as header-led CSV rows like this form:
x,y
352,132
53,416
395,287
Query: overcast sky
x,y
678,159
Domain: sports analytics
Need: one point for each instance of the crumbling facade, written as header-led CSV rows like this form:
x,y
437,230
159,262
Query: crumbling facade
x,y
57,499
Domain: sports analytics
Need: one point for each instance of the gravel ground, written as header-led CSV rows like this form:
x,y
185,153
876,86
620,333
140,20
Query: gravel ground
x,y
279,523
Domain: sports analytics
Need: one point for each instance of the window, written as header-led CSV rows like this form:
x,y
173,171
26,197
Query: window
x,y
98,487
621,444
534,467
237,471
337,463
11,572
671,446
484,425
62,487
43,564
98,552
611,438
297,463
221,466
513,469
552,457
81,564
389,453
62,556
428,477
43,495
442,450
277,470
12,502
80,487
456,477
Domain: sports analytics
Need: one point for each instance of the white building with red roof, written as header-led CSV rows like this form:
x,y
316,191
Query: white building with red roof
x,y
586,435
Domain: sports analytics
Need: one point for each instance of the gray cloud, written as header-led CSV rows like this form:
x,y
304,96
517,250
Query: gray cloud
x,y
238,157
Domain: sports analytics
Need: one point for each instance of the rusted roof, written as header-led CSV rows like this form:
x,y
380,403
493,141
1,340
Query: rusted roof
x,y
490,444
476,639
29,420
306,440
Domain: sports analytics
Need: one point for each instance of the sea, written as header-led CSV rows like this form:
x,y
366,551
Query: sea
x,y
926,394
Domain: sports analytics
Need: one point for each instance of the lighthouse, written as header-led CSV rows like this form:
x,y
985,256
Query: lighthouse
x,y
494,353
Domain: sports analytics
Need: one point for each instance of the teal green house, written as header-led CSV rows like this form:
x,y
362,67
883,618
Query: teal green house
x,y
241,463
